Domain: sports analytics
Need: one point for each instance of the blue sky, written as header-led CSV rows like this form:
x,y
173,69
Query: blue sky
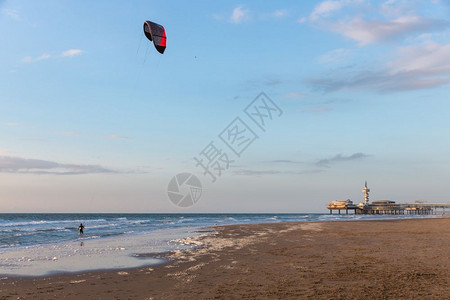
x,y
93,119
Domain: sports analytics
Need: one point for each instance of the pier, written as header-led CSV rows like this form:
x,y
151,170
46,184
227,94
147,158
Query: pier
x,y
386,207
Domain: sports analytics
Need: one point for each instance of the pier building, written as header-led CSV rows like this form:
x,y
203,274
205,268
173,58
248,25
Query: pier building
x,y
385,207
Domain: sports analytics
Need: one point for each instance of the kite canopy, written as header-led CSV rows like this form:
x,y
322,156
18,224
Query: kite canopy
x,y
156,33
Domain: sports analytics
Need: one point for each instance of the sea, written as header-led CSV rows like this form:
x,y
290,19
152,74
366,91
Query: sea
x,y
39,244
18,230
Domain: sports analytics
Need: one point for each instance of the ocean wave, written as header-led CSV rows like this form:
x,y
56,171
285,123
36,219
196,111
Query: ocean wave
x,y
25,234
165,223
43,222
183,220
139,222
85,238
86,226
12,244
57,229
31,229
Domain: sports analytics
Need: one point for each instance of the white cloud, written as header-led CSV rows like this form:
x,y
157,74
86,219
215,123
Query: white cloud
x,y
29,59
4,151
367,32
280,13
43,56
334,56
72,52
325,8
398,8
294,95
13,14
365,23
413,68
251,172
318,110
12,124
341,158
239,15
430,58
10,164
276,14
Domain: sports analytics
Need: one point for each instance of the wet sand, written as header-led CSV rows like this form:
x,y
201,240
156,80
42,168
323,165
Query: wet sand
x,y
391,259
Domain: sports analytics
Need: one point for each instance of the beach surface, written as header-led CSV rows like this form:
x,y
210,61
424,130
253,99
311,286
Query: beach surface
x,y
383,259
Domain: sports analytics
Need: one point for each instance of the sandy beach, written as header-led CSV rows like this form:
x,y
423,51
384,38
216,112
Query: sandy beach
x,y
386,259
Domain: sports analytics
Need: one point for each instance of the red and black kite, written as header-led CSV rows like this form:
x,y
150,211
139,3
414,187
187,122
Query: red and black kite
x,y
156,33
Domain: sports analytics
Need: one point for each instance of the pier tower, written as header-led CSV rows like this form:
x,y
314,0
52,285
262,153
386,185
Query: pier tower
x,y
366,191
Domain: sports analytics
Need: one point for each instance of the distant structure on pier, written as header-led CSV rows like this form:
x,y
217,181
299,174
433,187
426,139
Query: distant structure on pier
x,y
366,191
385,207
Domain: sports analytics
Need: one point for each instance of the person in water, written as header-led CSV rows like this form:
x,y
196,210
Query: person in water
x,y
80,229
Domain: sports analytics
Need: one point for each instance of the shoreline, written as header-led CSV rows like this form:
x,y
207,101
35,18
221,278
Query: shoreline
x,y
276,260
178,239
95,254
